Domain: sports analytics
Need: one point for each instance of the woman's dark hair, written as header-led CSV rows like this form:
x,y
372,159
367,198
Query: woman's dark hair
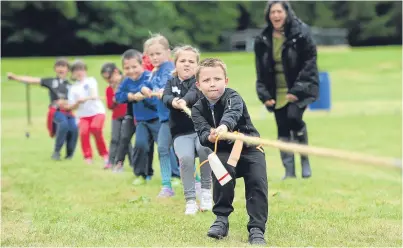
x,y
132,53
286,6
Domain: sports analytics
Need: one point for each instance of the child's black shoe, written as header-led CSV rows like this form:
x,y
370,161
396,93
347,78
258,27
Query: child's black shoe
x,y
219,229
256,236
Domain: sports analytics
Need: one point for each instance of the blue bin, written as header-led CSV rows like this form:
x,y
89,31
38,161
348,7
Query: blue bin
x,y
324,99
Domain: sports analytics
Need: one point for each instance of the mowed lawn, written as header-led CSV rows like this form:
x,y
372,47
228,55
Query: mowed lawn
x,y
69,203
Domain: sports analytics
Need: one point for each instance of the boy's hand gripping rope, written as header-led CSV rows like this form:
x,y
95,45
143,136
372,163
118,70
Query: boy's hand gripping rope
x,y
308,150
259,147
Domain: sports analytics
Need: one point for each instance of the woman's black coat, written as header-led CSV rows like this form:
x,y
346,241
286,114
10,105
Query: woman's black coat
x,y
299,58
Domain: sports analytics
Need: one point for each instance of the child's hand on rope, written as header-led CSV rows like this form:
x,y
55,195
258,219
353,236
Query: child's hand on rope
x,y
81,100
182,103
175,103
138,97
135,97
221,130
146,92
161,92
212,137
215,133
130,96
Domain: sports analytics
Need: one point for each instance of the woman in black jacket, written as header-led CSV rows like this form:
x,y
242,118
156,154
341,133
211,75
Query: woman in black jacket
x,y
287,76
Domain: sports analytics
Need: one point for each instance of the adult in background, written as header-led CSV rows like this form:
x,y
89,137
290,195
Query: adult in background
x,y
287,76
60,123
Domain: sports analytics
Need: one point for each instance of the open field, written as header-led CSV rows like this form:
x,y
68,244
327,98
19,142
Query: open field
x,y
69,203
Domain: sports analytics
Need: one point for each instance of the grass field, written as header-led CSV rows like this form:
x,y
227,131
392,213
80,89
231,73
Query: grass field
x,y
69,203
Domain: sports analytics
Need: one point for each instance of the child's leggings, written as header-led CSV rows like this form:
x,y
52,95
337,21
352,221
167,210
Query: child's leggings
x,y
165,153
186,147
92,125
116,141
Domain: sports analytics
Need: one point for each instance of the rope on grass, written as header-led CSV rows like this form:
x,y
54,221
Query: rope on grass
x,y
309,150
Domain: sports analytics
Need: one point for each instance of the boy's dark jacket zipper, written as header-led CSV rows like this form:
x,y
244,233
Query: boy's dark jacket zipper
x,y
229,110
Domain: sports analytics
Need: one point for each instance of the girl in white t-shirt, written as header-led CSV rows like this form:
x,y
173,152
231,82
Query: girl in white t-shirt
x,y
83,97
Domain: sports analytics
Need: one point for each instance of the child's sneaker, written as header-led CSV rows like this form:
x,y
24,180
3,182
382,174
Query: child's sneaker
x,y
148,178
166,192
118,168
191,207
56,156
206,202
139,181
107,166
198,190
88,160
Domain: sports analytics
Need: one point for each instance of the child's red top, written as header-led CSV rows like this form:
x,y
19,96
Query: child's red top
x,y
147,63
118,110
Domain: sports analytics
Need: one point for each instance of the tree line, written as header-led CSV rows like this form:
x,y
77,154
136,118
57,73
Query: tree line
x,y
107,27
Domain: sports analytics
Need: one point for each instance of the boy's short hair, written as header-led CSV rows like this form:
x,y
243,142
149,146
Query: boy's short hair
x,y
62,62
132,53
78,65
211,62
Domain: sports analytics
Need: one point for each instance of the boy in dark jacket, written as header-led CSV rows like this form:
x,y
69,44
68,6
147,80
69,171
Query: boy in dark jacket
x,y
221,110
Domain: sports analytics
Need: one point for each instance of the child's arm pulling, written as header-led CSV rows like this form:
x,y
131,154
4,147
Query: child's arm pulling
x,y
71,103
167,97
202,127
109,98
232,112
165,76
93,84
191,96
121,95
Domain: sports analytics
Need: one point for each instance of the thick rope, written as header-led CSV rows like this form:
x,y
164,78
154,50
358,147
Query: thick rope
x,y
308,150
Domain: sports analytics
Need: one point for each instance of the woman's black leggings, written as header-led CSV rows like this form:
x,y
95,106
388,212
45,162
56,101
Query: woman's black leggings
x,y
289,118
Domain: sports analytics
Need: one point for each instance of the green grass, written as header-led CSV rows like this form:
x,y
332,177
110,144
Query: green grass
x,y
45,203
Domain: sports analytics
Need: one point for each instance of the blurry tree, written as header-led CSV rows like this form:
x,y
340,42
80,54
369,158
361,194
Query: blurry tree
x,y
91,27
204,22
127,22
21,27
